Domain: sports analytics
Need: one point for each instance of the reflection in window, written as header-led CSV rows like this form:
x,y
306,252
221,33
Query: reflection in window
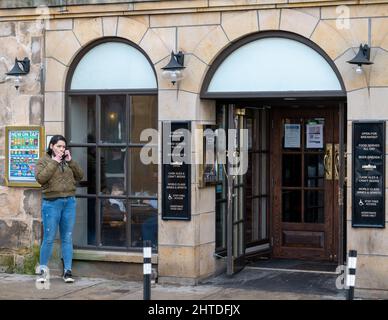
x,y
314,170
113,170
82,119
143,115
291,206
144,180
291,176
113,124
144,222
114,217
314,207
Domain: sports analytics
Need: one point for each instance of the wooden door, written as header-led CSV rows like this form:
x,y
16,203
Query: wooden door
x,y
305,180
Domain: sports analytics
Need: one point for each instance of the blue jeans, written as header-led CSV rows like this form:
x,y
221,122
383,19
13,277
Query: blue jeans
x,y
59,212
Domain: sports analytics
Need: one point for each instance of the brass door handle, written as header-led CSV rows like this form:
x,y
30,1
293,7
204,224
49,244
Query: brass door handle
x,y
328,162
336,161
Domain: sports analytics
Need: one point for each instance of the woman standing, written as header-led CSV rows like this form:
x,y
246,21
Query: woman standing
x,y
58,174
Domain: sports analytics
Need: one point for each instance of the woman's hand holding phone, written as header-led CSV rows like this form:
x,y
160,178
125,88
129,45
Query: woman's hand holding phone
x,y
67,155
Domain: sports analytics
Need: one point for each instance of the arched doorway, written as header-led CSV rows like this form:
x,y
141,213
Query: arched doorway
x,y
290,97
111,96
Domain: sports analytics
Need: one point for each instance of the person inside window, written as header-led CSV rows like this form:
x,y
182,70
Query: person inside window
x,y
114,217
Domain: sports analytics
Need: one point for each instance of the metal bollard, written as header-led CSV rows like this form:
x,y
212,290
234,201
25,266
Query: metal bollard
x,y
147,269
351,274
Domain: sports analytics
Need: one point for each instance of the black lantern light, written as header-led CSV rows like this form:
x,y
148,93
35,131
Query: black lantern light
x,y
173,71
362,57
21,68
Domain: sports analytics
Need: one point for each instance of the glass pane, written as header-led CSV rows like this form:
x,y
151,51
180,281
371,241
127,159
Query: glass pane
x,y
283,65
314,129
221,187
86,159
220,224
314,170
113,65
264,173
249,127
263,129
113,171
82,119
113,123
114,218
144,177
144,222
85,225
252,221
291,205
249,225
263,223
291,170
314,207
144,115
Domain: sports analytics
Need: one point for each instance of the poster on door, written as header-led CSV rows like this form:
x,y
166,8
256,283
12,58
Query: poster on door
x,y
314,136
291,135
368,175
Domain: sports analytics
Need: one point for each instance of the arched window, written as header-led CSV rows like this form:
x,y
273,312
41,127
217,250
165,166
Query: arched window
x,y
111,96
273,64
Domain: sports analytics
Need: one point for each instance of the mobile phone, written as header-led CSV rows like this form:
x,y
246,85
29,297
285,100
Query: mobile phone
x,y
64,155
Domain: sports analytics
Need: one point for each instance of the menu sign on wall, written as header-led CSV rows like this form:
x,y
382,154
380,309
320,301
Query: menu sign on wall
x,y
24,148
176,171
368,174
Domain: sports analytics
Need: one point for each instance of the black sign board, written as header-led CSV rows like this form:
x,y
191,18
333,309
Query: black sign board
x,y
176,185
368,191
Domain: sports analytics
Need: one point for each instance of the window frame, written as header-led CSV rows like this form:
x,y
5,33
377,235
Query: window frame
x,y
99,145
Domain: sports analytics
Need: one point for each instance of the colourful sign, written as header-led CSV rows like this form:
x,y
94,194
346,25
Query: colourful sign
x,y
24,150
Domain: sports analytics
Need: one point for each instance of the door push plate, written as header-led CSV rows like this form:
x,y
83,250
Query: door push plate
x,y
328,161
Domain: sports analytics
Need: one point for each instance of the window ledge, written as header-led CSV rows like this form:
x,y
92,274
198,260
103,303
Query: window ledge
x,y
111,256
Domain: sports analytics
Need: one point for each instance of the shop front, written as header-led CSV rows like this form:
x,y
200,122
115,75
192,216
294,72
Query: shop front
x,y
280,71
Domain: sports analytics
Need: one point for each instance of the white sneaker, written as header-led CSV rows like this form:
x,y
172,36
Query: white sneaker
x,y
42,277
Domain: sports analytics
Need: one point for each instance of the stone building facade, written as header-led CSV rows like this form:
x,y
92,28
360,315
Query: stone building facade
x,y
53,36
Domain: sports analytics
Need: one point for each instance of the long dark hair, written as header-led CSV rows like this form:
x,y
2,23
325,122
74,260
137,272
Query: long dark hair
x,y
54,140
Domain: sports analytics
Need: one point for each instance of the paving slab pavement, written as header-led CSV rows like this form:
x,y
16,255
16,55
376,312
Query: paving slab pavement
x,y
246,285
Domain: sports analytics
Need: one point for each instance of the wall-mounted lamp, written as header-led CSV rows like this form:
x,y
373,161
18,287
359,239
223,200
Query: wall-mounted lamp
x,y
21,68
173,71
362,57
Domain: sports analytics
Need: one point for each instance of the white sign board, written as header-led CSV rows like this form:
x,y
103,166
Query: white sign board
x,y
314,136
291,135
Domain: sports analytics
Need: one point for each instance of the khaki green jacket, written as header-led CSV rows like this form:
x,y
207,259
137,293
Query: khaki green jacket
x,y
57,180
